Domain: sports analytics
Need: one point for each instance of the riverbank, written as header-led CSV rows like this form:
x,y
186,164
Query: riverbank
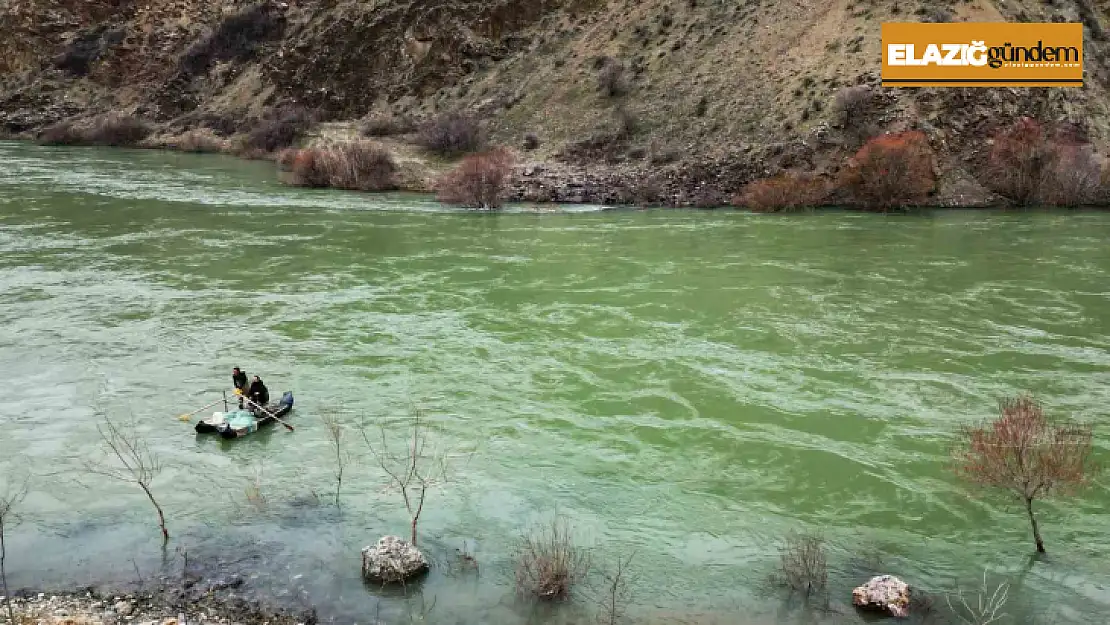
x,y
165,607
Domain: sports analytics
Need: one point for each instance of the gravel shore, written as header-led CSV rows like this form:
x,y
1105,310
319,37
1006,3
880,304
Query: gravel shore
x,y
93,608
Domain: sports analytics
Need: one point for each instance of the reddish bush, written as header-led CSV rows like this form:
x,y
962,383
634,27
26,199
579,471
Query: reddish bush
x,y
784,192
891,170
359,166
1030,164
480,181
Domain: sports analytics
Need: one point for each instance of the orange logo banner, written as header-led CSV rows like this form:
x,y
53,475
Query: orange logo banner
x,y
984,54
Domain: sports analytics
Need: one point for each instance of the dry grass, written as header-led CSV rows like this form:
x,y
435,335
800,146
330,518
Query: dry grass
x,y
387,126
355,166
480,181
111,129
201,140
549,564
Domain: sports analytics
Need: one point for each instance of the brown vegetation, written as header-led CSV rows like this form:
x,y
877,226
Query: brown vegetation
x,y
1032,164
852,108
787,191
891,171
201,140
611,77
112,129
280,129
387,125
356,166
451,134
236,38
1022,452
479,181
802,566
549,564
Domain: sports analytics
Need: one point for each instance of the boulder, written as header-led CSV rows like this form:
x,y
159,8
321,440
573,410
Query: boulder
x,y
884,593
392,560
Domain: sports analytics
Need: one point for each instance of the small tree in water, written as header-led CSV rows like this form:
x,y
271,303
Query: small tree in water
x,y
131,460
10,497
1023,452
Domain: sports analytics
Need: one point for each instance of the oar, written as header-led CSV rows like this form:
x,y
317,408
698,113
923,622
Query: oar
x,y
268,413
185,417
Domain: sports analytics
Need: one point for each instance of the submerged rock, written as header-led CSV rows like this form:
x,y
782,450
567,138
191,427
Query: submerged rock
x,y
392,560
884,593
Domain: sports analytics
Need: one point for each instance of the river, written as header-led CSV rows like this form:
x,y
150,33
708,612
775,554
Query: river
x,y
684,386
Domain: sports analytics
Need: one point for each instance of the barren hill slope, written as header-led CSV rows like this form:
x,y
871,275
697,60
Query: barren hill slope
x,y
712,92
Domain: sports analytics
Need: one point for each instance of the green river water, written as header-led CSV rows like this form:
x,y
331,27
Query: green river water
x,y
685,386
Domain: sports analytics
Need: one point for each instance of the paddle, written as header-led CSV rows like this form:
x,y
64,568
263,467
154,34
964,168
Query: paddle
x,y
185,417
268,413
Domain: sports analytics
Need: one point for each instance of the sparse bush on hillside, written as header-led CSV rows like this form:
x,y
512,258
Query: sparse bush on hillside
x,y
280,129
236,38
451,134
479,181
892,170
112,129
531,141
852,110
611,79
1029,164
786,191
358,166
387,126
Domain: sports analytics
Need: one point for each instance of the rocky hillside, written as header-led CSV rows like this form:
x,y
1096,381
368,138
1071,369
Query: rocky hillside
x,y
702,96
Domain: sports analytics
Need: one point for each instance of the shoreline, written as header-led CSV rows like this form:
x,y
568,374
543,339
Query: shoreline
x,y
184,605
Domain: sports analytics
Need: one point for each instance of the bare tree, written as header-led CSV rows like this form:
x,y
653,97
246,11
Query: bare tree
x,y
617,593
335,431
131,461
414,470
10,498
1022,452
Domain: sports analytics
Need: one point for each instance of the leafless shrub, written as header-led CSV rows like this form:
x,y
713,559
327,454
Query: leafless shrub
x,y
802,566
387,125
531,141
235,38
451,134
358,166
130,460
1030,163
787,191
938,15
891,171
253,490
336,432
112,129
617,595
852,109
1024,453
10,497
611,77
412,470
479,181
200,140
985,606
279,129
549,564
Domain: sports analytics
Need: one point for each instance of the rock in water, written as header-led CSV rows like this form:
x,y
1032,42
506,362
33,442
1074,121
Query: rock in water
x,y
884,593
392,560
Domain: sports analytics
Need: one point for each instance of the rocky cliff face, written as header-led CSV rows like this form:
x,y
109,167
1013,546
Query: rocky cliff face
x,y
706,93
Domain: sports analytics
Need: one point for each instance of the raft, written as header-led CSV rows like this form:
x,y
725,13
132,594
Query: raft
x,y
240,423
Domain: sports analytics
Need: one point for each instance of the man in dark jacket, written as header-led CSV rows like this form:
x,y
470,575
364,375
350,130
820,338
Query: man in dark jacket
x,y
239,379
258,392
